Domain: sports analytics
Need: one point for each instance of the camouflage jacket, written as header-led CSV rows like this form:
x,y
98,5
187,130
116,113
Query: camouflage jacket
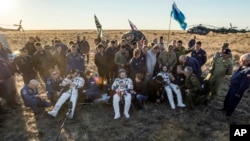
x,y
192,83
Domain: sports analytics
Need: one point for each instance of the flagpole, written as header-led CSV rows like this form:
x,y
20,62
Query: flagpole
x,y
169,30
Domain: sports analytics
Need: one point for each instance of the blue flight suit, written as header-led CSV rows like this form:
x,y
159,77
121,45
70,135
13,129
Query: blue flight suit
x,y
240,81
200,56
75,61
31,99
194,64
92,88
53,86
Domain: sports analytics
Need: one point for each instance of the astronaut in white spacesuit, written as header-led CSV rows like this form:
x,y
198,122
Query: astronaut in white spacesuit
x,y
71,83
169,87
122,87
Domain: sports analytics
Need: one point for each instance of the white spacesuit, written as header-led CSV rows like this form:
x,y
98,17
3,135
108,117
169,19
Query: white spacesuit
x,y
122,87
74,84
169,87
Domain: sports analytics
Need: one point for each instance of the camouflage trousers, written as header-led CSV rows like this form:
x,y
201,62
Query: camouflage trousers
x,y
194,99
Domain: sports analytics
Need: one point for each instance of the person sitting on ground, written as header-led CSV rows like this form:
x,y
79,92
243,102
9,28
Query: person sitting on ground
x,y
155,89
29,94
140,90
92,89
71,83
169,87
122,87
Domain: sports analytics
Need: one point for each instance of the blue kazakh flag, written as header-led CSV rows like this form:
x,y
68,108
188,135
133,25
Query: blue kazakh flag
x,y
178,16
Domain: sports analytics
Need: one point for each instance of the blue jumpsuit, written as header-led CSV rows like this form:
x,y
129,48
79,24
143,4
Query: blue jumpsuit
x,y
240,81
31,99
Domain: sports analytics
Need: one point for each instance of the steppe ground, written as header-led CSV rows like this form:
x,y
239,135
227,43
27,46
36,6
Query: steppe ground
x,y
154,123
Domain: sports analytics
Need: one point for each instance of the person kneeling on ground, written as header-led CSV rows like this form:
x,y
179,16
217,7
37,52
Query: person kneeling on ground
x,y
30,97
169,87
140,90
192,87
155,89
72,83
122,87
92,89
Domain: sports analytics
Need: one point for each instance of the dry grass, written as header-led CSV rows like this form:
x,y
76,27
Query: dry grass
x,y
154,123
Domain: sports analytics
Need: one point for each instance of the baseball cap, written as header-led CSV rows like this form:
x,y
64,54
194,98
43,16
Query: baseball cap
x,y
226,51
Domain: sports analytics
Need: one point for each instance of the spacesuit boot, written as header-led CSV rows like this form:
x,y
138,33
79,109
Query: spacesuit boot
x,y
59,104
170,97
127,104
179,99
116,99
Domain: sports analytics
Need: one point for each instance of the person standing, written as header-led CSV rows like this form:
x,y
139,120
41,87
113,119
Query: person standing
x,y
199,54
112,69
101,64
219,69
30,46
75,60
239,82
4,52
24,65
43,61
167,58
60,59
218,54
83,47
151,59
122,59
7,84
136,64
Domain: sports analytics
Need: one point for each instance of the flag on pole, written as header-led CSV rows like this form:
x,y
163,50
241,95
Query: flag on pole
x,y
133,27
98,26
178,16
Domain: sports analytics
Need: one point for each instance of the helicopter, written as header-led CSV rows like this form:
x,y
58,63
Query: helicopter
x,y
19,27
199,29
4,40
205,29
